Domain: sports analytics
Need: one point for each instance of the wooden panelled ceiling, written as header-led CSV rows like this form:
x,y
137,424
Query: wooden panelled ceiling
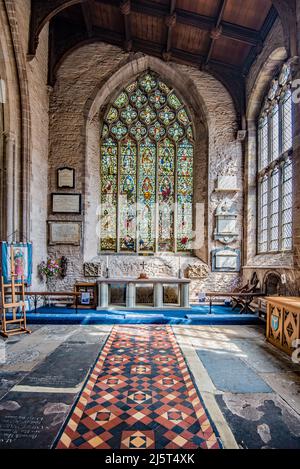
x,y
223,36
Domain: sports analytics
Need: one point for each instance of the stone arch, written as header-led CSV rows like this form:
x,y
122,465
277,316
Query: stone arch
x,y
272,283
76,103
102,95
270,66
18,123
134,67
263,80
200,103
11,141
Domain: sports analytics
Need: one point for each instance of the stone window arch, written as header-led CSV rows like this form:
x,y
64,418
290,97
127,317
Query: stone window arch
x,y
274,175
146,168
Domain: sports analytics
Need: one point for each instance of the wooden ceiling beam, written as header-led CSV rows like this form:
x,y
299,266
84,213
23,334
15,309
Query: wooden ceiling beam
x,y
125,8
206,23
63,47
230,75
216,32
87,11
43,11
170,22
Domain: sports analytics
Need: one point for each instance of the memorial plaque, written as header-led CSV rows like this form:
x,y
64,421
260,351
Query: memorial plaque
x,y
65,233
227,225
227,183
226,222
66,203
66,178
226,260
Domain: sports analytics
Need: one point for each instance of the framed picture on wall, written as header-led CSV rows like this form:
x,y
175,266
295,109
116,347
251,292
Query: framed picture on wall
x,y
66,203
66,178
16,257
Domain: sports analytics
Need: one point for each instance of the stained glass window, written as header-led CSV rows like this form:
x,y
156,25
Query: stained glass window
x,y
147,153
275,152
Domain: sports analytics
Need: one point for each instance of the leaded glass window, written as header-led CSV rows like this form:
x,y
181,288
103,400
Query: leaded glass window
x,y
147,156
275,153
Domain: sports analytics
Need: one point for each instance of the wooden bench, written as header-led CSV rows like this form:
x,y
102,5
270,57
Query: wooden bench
x,y
61,294
246,299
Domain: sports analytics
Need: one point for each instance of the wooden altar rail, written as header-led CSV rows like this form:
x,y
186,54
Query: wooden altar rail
x,y
283,322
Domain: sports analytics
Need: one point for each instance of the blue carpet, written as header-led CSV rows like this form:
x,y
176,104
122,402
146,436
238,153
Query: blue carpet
x,y
231,374
199,314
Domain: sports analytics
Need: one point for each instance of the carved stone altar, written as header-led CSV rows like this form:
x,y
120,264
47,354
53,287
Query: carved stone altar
x,y
105,285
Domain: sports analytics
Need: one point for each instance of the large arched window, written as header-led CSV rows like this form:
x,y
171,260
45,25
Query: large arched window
x,y
146,170
275,141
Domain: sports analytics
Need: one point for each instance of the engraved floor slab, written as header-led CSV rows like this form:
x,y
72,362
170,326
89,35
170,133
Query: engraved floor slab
x,y
32,420
53,372
230,373
8,379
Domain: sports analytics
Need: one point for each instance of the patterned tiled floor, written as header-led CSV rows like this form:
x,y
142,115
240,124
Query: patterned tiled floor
x,y
140,395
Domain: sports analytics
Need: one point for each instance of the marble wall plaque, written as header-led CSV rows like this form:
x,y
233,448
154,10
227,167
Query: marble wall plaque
x,y
65,233
66,203
227,183
226,225
66,178
226,260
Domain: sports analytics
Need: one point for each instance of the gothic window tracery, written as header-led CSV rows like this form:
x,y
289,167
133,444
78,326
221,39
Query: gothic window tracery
x,y
147,152
274,177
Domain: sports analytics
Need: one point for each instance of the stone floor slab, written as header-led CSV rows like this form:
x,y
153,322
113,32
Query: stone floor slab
x,y
261,421
32,420
230,373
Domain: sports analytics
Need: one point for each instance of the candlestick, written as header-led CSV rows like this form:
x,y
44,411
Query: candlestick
x,y
179,270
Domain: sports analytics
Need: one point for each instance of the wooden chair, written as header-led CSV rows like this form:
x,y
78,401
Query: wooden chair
x,y
241,302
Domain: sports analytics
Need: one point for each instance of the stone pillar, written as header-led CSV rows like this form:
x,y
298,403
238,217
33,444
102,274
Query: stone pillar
x,y
11,224
185,295
103,295
158,295
130,295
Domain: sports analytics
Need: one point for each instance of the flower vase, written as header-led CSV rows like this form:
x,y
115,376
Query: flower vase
x,y
51,284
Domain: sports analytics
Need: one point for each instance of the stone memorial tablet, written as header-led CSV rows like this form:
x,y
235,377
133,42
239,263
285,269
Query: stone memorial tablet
x,y
65,233
66,203
66,178
226,260
227,183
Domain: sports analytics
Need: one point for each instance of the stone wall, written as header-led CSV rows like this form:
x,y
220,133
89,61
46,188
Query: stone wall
x,y
36,72
261,73
26,150
85,83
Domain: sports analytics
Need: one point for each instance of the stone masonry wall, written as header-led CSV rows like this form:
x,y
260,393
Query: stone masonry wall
x,y
261,73
36,72
74,141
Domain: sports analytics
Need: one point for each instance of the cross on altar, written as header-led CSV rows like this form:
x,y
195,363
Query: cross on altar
x,y
143,265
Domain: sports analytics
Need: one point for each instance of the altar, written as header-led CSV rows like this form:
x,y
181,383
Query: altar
x,y
131,285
